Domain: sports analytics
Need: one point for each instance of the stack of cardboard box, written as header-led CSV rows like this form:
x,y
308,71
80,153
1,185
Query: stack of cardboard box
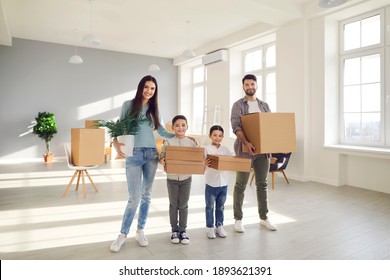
x,y
88,145
184,160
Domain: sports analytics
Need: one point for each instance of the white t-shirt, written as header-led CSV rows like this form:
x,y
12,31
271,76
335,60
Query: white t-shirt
x,y
253,106
213,177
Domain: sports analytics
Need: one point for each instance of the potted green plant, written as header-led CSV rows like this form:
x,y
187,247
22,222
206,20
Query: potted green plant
x,y
45,127
124,130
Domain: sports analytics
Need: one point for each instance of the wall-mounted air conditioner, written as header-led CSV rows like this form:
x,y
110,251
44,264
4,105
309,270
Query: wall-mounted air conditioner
x,y
216,56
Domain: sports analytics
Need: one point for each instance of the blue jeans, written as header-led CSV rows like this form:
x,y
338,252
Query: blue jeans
x,y
215,196
140,171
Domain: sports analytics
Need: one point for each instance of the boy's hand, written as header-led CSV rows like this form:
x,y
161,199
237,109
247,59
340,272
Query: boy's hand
x,y
207,162
162,162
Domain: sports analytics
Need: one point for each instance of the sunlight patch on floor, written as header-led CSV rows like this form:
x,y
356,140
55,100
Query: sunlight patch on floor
x,y
49,236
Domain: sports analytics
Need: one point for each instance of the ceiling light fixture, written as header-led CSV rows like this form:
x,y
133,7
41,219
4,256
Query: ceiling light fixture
x,y
75,59
188,53
330,3
154,67
91,38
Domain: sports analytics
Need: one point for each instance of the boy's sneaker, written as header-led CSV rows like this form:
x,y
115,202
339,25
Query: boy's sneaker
x,y
221,232
267,223
184,238
117,244
175,237
238,226
141,238
210,232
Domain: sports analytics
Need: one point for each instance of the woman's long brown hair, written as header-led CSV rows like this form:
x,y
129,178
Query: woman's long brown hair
x,y
152,112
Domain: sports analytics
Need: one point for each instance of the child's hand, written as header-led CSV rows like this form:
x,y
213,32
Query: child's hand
x,y
207,162
162,162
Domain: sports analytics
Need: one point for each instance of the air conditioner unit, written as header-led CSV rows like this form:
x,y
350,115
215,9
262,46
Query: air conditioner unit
x,y
216,56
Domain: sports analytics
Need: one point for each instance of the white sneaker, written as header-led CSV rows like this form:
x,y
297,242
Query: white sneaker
x,y
221,232
210,232
117,244
175,237
267,223
141,238
184,238
238,226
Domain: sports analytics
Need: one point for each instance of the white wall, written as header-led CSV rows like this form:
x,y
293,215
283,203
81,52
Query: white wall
x,y
36,76
307,84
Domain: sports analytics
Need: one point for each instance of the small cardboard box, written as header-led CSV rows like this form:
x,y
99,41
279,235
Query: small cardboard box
x,y
184,153
270,132
184,166
91,123
230,163
87,146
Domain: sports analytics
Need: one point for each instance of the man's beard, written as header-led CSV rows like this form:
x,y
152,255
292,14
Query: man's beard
x,y
250,93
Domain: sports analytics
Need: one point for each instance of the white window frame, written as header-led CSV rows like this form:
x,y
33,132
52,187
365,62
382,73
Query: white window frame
x,y
194,85
383,51
261,91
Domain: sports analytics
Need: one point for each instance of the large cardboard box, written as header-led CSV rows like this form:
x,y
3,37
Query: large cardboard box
x,y
87,146
184,166
184,153
270,132
230,163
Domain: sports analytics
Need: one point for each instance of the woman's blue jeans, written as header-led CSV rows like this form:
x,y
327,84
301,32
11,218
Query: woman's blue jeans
x,y
140,171
215,196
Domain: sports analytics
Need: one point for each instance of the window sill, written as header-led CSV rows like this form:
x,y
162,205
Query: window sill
x,y
361,151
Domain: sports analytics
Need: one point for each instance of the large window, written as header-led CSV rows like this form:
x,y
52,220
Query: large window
x,y
198,97
362,58
261,62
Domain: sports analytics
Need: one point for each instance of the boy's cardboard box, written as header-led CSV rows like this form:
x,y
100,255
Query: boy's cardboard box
x,y
270,132
230,163
184,160
87,146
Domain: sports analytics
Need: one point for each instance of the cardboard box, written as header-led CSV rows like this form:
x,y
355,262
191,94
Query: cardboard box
x,y
230,163
270,132
87,146
184,153
184,166
90,124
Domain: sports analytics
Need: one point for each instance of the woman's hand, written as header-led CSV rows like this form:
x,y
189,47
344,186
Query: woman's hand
x,y
117,147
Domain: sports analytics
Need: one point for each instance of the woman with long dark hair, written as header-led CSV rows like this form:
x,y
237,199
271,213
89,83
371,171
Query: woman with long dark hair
x,y
141,167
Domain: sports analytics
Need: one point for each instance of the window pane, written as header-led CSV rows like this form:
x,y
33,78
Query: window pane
x,y
352,71
198,75
270,57
352,99
198,107
371,69
371,31
371,126
352,35
259,92
352,126
371,98
270,90
253,60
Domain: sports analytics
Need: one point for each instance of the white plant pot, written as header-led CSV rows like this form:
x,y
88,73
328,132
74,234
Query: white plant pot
x,y
128,141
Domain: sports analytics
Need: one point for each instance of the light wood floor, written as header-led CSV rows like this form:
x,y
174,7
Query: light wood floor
x,y
315,221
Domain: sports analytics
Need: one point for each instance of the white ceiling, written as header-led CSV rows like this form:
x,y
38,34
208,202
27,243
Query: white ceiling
x,y
132,25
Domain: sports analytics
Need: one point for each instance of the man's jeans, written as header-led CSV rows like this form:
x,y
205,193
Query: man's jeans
x,y
260,164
